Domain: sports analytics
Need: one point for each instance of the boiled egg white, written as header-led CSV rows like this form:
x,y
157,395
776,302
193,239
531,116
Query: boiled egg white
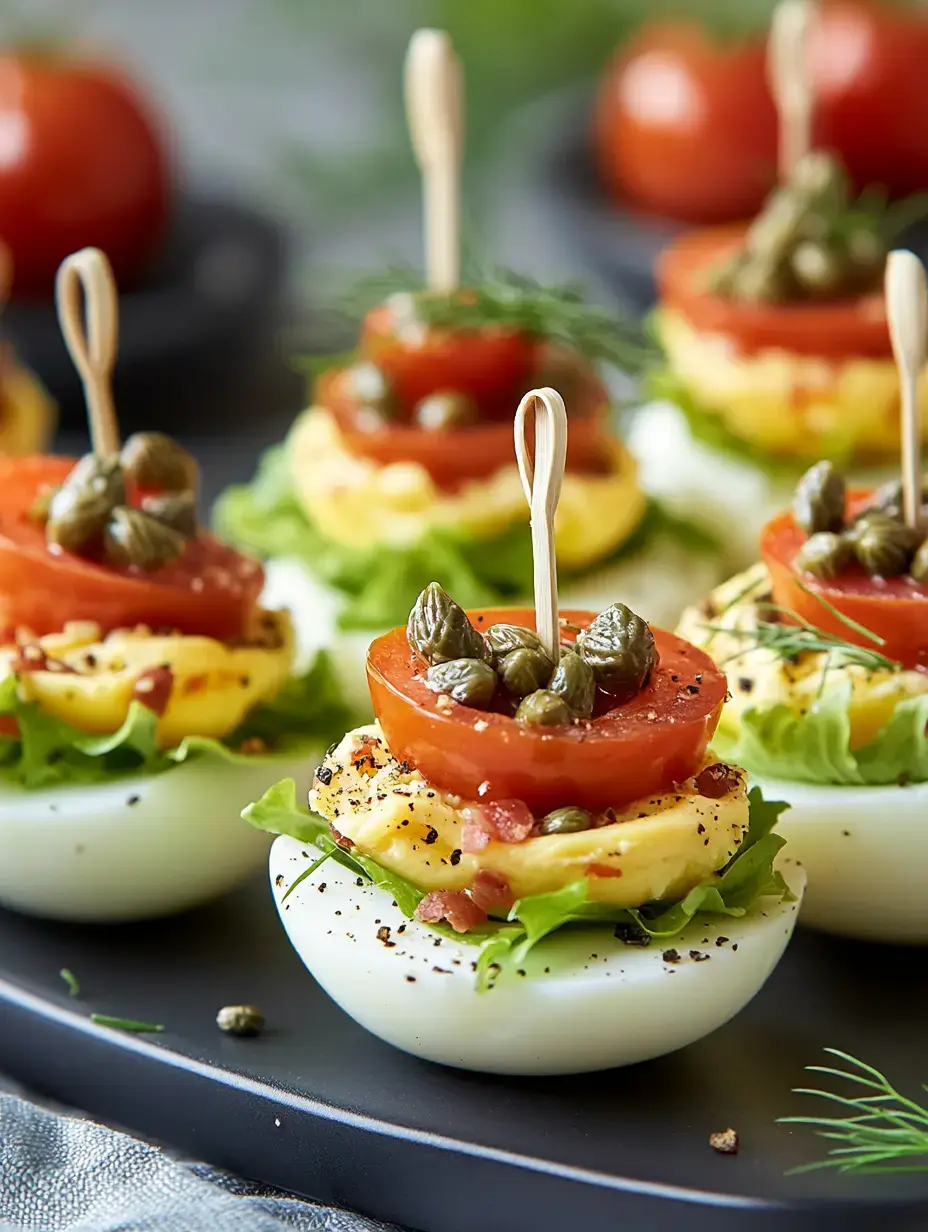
x,y
863,850
657,583
730,496
138,846
586,1001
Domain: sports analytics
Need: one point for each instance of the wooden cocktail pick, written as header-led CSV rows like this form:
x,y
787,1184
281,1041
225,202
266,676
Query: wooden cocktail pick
x,y
790,85
907,312
91,332
433,89
541,483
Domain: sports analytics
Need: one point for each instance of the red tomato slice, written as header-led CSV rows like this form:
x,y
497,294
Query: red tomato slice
x,y
493,366
895,609
631,751
835,329
211,590
453,457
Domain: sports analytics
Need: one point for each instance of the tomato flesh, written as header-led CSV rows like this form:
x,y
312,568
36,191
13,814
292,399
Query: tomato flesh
x,y
84,165
454,456
493,365
834,329
211,590
632,750
895,609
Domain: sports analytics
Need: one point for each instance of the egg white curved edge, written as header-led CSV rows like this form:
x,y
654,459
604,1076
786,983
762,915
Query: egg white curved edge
x,y
139,846
731,497
657,583
587,1001
864,850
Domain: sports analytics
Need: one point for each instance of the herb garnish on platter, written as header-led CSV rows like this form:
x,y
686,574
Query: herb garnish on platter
x,y
884,1132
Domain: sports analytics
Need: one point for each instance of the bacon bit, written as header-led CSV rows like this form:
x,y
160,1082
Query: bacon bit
x,y
455,906
362,758
716,781
491,891
32,658
602,870
341,839
153,688
505,821
725,1141
195,684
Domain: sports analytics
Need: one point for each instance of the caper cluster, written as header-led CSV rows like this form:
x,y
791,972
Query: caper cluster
x,y
877,538
810,241
375,404
89,514
616,653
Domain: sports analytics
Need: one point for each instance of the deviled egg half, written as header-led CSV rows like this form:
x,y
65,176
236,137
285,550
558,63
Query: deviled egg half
x,y
825,643
144,693
527,868
776,353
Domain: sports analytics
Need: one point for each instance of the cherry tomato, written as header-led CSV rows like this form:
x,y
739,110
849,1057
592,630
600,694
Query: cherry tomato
x,y
83,164
210,590
836,329
895,609
632,750
684,124
868,62
454,456
493,365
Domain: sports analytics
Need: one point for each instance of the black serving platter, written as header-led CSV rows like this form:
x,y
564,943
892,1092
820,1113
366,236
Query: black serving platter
x,y
318,1106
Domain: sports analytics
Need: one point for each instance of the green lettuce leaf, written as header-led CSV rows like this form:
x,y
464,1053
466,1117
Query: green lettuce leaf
x,y
380,584
815,747
747,877
49,751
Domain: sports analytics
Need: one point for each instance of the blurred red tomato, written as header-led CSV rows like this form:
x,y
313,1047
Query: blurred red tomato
x,y
685,126
869,63
81,162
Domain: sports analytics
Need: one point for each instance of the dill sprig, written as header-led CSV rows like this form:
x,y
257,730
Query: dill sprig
x,y
496,296
886,1133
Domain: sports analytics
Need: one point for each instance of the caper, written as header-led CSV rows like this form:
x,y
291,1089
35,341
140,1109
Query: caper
x,y
78,511
887,499
818,503
919,566
820,182
867,254
504,639
825,554
179,512
438,629
573,680
568,820
367,385
619,647
38,510
440,412
764,280
133,538
523,671
155,461
883,545
240,1020
468,681
778,226
820,268
543,709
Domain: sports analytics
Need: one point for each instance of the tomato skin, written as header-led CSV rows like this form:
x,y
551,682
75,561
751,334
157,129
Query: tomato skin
x,y
453,457
41,590
87,167
622,756
833,329
868,66
685,126
493,366
895,609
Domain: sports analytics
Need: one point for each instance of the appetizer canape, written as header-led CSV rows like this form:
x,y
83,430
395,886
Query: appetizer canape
x,y
826,646
776,349
143,691
534,816
401,471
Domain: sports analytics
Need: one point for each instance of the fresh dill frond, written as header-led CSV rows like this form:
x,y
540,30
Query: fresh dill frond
x,y
70,979
125,1024
501,297
884,1132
